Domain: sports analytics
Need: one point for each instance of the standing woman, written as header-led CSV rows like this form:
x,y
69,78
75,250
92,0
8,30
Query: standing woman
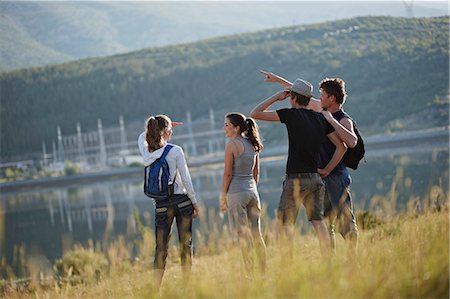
x,y
239,192
182,205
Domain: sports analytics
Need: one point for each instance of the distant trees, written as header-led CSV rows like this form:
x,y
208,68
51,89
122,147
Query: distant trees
x,y
393,67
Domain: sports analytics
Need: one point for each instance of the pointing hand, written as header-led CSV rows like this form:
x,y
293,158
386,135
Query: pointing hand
x,y
268,76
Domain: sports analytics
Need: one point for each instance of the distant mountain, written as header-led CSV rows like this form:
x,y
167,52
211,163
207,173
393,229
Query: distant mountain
x,y
19,48
35,33
396,71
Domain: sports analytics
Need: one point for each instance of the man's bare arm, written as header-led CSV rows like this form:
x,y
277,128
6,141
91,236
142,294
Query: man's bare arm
x,y
341,148
273,78
314,104
260,112
344,128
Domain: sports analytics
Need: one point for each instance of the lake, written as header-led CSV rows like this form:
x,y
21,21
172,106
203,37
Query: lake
x,y
47,222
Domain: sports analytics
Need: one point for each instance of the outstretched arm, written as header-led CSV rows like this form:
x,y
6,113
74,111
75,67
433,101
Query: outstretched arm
x,y
314,104
272,78
260,112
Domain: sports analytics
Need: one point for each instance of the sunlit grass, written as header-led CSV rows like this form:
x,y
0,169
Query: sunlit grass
x,y
405,256
400,255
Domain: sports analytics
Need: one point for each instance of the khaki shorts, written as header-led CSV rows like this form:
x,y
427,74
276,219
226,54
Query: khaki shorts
x,y
301,188
244,210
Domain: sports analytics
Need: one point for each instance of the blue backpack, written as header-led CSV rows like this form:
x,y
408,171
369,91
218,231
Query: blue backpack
x,y
157,177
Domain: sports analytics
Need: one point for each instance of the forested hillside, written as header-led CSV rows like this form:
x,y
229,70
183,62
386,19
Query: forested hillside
x,y
396,70
35,33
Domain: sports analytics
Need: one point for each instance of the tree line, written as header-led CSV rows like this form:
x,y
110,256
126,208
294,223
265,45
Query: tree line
x,y
396,70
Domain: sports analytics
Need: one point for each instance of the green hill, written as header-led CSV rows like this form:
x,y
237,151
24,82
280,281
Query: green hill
x,y
15,38
396,70
69,30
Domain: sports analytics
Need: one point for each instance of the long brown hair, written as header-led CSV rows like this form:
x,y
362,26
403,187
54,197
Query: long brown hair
x,y
155,125
247,126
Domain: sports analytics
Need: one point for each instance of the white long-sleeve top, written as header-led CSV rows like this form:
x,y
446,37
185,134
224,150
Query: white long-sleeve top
x,y
177,164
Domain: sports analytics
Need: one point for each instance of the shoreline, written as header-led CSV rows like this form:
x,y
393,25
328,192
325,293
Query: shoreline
x,y
65,180
376,145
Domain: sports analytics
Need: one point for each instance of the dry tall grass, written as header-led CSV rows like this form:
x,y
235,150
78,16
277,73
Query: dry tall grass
x,y
402,255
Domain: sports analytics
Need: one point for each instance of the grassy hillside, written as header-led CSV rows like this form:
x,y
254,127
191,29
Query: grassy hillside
x,y
404,256
396,71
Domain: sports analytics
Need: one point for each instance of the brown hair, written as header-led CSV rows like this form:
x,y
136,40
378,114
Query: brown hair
x,y
155,125
300,99
247,126
334,87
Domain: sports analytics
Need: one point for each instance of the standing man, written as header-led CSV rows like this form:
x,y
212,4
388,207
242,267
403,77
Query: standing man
x,y
338,203
307,130
339,207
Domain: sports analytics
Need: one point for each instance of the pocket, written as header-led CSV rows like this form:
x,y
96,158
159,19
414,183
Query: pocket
x,y
291,186
186,208
161,219
333,182
161,210
320,182
317,184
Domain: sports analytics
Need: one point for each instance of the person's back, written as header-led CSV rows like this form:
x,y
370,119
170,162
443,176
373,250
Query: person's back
x,y
303,184
239,187
242,174
179,205
306,131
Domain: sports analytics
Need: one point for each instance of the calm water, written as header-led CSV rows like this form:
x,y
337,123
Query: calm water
x,y
48,222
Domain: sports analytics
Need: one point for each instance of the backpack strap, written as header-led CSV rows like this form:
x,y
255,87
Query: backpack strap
x,y
355,125
163,156
347,116
340,115
166,151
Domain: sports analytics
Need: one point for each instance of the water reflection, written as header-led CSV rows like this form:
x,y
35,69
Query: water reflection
x,y
49,222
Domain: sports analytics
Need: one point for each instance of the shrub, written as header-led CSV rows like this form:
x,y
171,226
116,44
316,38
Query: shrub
x,y
81,266
366,220
2,286
135,164
71,168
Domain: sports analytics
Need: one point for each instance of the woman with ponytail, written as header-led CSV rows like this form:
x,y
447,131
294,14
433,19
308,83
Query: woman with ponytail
x,y
181,205
239,192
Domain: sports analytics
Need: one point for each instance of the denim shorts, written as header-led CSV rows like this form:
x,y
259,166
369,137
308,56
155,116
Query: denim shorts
x,y
338,201
302,188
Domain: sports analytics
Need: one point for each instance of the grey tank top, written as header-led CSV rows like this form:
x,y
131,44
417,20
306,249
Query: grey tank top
x,y
242,175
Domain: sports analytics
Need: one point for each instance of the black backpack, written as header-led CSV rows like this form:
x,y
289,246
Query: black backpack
x,y
353,155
